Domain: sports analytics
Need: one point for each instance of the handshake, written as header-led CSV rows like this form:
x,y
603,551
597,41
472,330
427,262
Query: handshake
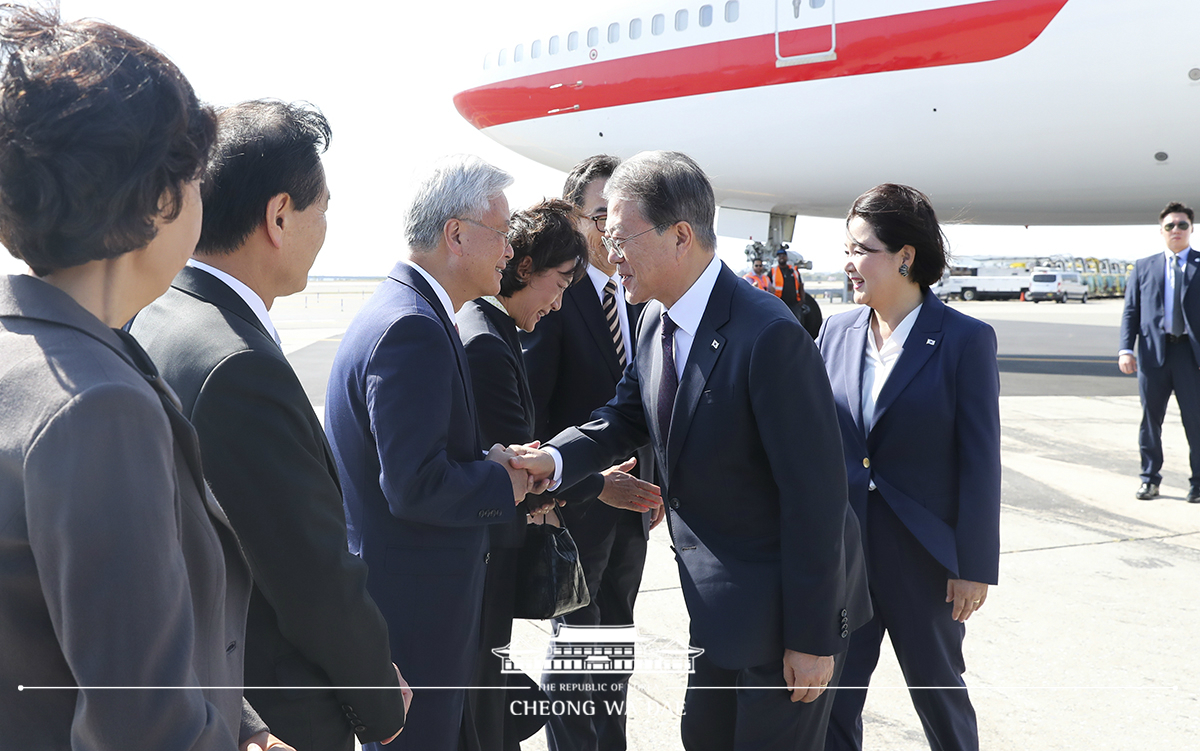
x,y
531,471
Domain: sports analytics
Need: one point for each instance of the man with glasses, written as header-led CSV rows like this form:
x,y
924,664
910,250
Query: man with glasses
x,y
1162,312
768,549
399,412
574,359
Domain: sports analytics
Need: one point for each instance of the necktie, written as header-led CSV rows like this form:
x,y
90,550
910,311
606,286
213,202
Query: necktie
x,y
670,379
1177,313
614,321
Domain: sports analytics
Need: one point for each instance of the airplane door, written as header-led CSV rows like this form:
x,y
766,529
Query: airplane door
x,y
805,32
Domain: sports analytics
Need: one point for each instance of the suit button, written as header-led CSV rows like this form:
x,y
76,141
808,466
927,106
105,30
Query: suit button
x,y
359,728
866,462
487,558
347,708
674,503
845,632
845,614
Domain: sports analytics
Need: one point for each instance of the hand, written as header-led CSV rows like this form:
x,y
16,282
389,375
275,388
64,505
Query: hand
x,y
264,741
539,464
657,515
1127,363
966,596
521,483
806,675
623,490
406,694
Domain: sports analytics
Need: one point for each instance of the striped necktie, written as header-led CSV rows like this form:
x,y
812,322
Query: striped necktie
x,y
614,321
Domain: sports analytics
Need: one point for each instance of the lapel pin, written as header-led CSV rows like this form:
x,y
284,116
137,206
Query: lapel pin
x,y
714,345
930,342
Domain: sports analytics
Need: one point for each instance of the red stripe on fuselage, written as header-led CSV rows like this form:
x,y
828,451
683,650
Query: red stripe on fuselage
x,y
946,36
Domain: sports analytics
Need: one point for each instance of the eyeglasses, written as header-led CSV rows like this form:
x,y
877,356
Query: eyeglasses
x,y
1172,225
616,245
503,234
601,221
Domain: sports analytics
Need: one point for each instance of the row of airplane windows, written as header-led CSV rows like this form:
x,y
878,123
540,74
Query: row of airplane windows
x,y
658,26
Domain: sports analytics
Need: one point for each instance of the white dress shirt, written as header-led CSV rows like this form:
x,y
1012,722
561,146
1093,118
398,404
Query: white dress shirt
x,y
878,363
438,290
249,296
1180,260
598,280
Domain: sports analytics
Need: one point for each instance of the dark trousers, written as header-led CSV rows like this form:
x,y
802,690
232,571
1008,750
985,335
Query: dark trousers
x,y
309,720
1179,374
751,710
613,555
908,593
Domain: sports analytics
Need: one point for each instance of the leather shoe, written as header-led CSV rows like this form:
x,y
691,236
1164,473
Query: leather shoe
x,y
1149,490
1193,495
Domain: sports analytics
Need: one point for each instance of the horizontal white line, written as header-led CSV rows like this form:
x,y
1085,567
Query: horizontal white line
x,y
530,688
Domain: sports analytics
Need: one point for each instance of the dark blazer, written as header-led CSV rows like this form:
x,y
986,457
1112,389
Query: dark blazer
x,y
934,450
768,549
401,419
573,368
311,622
1142,318
117,567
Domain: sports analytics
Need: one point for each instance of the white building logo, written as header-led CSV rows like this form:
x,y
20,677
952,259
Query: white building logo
x,y
601,649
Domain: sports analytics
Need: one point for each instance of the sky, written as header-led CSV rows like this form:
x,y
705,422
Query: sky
x,y
385,72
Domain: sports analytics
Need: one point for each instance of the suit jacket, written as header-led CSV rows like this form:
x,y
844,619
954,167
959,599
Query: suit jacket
x,y
934,449
768,549
1142,318
573,369
401,419
117,567
311,622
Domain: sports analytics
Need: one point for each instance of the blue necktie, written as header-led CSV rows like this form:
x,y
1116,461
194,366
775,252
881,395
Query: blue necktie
x,y
670,380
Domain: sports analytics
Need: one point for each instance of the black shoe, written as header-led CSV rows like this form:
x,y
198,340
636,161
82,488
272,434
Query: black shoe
x,y
1149,490
1194,495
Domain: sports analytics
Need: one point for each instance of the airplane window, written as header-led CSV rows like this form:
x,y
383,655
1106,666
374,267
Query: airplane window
x,y
658,24
614,33
502,57
518,53
593,36
681,20
635,28
487,61
573,40
731,11
816,3
706,15
552,48
535,49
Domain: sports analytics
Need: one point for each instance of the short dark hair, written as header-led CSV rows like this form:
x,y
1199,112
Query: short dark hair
x,y
1175,207
899,216
264,148
669,187
583,174
99,135
547,234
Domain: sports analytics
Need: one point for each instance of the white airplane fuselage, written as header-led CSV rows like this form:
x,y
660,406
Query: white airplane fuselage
x,y
1004,112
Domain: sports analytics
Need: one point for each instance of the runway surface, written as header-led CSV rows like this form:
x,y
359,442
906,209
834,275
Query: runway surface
x,y
1091,639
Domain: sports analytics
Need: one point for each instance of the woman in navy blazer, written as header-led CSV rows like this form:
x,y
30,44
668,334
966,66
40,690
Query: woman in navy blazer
x,y
917,392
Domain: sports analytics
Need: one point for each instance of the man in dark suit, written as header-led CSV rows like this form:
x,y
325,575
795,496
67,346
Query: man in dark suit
x,y
400,415
768,549
574,359
311,622
1162,313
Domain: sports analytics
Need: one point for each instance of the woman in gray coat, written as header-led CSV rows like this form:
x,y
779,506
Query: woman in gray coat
x,y
123,591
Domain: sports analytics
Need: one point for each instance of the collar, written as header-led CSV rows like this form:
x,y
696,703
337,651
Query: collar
x,y
689,309
896,341
599,279
1184,254
249,296
438,290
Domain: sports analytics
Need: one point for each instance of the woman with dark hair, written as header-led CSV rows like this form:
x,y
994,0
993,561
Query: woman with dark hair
x,y
123,591
549,255
917,391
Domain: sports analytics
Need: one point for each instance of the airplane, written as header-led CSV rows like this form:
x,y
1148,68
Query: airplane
x,y
1020,112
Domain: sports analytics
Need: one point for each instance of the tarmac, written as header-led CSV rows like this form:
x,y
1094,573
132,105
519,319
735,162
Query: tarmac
x,y
1090,640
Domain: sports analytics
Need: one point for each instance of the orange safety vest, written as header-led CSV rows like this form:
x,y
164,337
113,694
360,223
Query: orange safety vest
x,y
779,283
760,281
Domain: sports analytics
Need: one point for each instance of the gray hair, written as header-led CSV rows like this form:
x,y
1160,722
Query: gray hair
x,y
459,186
668,187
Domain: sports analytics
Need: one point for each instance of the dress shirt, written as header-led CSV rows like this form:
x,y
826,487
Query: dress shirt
x,y
439,290
878,363
686,313
598,280
1180,260
249,296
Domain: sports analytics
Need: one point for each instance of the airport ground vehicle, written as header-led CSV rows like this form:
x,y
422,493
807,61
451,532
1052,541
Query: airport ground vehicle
x,y
1058,286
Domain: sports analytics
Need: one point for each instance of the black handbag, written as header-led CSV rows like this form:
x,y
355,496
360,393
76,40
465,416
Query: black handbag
x,y
550,578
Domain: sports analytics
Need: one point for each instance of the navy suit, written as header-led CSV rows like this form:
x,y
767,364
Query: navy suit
x,y
768,549
933,454
1163,367
401,420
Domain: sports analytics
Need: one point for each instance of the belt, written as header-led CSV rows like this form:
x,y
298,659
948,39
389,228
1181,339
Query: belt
x,y
1172,339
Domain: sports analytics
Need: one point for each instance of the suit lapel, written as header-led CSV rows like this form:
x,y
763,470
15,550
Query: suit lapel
x,y
210,289
584,295
707,346
854,343
923,339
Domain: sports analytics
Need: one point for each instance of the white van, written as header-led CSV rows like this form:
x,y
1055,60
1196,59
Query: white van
x,y
1058,286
